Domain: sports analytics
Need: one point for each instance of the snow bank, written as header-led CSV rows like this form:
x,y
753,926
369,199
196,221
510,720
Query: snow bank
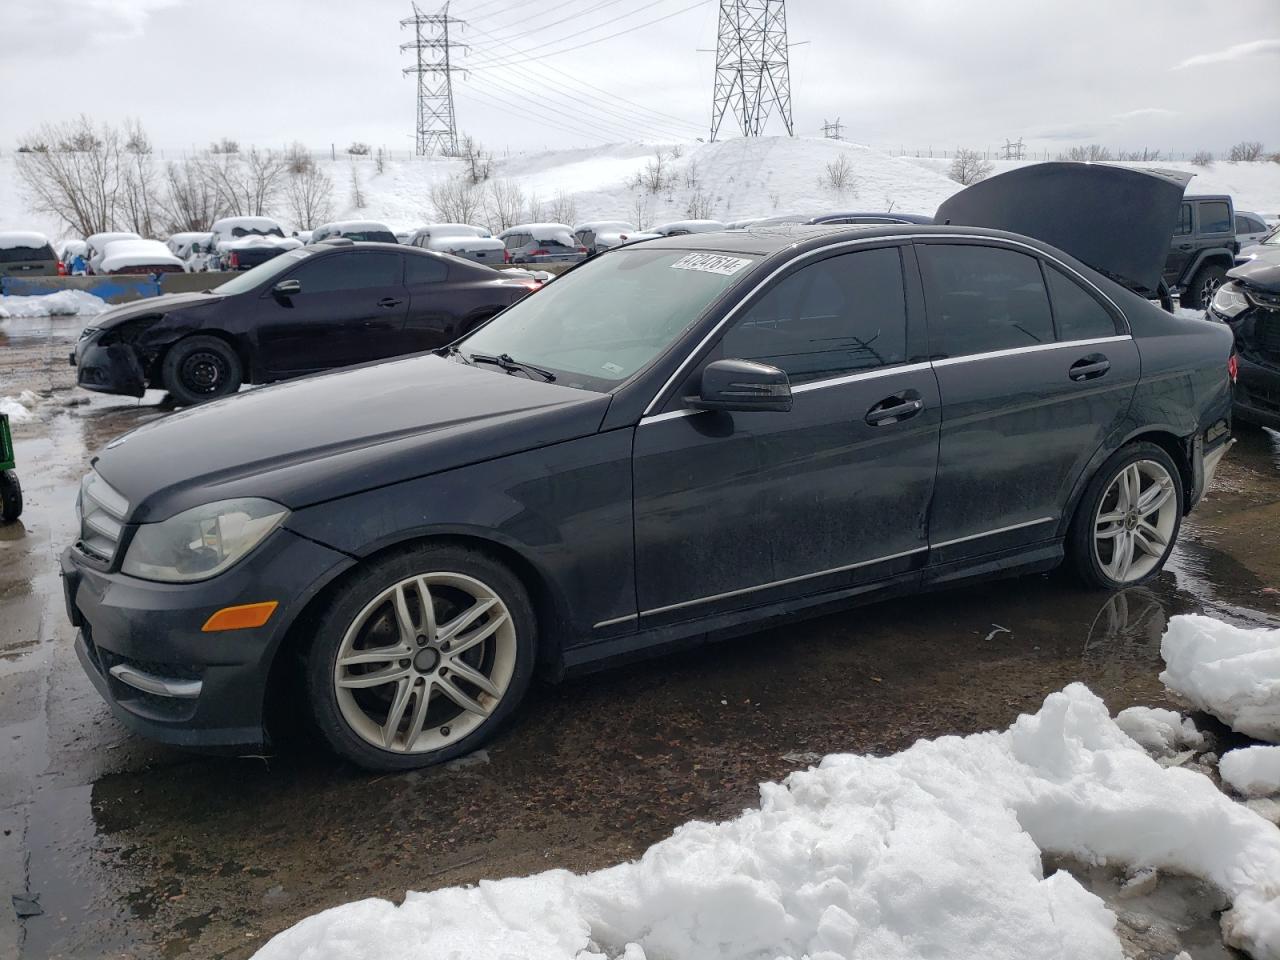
x,y
1252,771
1227,671
19,408
933,852
1159,731
60,303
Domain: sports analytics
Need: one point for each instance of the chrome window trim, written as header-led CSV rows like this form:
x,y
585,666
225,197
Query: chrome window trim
x,y
992,533
614,621
861,242
780,583
1034,348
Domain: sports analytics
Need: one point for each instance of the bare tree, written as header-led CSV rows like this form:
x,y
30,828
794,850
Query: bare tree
x,y
1246,151
248,184
690,174
656,175
73,173
225,145
503,204
969,167
138,207
838,176
537,209
455,200
358,149
1093,152
308,196
1146,154
357,192
380,160
564,209
640,211
700,206
1202,158
190,199
479,162
297,157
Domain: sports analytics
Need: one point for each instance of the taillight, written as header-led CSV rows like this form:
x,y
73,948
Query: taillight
x,y
235,260
506,256
1233,367
582,249
62,269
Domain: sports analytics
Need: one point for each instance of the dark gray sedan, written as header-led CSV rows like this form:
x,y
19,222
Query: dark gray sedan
x,y
674,440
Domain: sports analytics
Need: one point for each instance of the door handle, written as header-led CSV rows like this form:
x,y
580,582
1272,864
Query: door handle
x,y
389,302
1090,367
1184,246
893,409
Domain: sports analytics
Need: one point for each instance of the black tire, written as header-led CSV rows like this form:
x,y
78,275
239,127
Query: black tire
x,y
10,496
1203,286
201,368
1082,549
350,605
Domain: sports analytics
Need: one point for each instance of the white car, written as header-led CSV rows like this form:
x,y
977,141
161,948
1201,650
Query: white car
x,y
1250,228
96,244
238,243
461,240
142,257
682,227
189,247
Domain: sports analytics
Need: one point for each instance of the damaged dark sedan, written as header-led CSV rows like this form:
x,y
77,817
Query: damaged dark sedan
x,y
1249,302
329,305
677,440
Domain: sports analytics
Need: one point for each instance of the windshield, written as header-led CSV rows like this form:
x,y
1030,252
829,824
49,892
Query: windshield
x,y
1273,238
601,323
244,282
373,236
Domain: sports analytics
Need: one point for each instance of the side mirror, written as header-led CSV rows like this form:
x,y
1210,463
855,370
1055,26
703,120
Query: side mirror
x,y
742,385
287,288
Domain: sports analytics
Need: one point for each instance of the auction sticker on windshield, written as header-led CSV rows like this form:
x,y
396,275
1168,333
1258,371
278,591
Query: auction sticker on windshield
x,y
710,263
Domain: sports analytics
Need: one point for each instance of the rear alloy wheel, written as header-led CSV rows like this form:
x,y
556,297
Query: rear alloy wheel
x,y
1129,519
198,369
426,666
1203,286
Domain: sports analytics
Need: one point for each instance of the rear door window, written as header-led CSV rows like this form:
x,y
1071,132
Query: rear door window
x,y
1077,312
842,314
350,271
418,269
1215,217
983,299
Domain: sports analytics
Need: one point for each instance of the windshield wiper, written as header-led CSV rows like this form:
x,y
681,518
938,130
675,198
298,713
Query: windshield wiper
x,y
510,364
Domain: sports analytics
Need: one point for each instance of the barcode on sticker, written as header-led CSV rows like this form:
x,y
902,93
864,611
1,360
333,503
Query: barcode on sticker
x,y
710,263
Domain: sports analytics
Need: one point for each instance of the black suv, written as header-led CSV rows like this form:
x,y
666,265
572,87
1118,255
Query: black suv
x,y
1203,250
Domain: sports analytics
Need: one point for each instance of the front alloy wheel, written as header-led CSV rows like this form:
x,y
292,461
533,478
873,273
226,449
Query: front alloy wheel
x,y
420,656
425,663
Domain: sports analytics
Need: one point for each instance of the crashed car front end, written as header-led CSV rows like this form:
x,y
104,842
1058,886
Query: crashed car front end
x,y
1249,303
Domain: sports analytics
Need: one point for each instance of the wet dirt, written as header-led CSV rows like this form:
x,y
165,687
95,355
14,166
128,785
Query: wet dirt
x,y
138,850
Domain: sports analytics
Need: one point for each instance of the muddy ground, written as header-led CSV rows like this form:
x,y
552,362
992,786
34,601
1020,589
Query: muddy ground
x,y
137,850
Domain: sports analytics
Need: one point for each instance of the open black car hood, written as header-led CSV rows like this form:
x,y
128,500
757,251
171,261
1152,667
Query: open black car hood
x,y
1258,273
1118,220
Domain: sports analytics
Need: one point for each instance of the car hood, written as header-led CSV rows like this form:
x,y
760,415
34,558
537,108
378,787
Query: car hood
x,y
1118,220
150,306
335,434
1260,274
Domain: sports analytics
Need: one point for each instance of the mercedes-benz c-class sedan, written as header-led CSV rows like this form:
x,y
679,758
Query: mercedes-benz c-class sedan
x,y
676,440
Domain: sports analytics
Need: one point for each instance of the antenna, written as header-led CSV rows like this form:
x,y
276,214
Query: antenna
x,y
437,130
753,71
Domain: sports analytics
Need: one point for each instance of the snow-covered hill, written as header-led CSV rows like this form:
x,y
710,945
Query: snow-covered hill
x,y
737,178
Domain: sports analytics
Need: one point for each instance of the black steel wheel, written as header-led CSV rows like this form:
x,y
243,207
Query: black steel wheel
x,y
202,368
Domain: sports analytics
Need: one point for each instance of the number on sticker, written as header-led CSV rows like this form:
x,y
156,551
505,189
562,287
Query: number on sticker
x,y
710,263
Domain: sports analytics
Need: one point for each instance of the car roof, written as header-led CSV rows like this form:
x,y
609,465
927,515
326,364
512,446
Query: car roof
x,y
354,225
903,217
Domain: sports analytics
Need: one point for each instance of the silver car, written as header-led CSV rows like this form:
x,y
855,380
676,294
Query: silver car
x,y
1267,251
542,243
461,240
1250,228
601,235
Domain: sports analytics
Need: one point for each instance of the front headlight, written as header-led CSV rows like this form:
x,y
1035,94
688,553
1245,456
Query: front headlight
x,y
1229,301
201,542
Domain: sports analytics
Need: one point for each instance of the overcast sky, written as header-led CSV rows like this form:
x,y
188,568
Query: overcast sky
x,y
1170,74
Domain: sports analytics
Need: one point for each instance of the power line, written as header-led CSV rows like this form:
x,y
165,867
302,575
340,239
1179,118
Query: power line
x,y
595,26
437,127
753,70
588,43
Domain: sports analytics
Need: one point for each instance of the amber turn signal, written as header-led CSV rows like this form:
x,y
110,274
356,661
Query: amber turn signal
x,y
241,617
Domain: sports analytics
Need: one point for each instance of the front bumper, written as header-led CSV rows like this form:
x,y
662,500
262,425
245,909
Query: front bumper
x,y
142,646
114,368
1257,394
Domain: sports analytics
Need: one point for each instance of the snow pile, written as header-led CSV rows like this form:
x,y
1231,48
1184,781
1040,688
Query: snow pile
x,y
1159,731
933,852
60,303
19,408
1230,672
1252,771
